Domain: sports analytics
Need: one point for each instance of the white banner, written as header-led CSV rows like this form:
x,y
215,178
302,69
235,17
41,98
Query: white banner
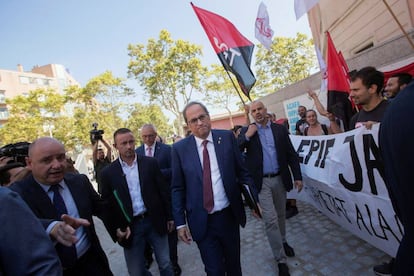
x,y
343,178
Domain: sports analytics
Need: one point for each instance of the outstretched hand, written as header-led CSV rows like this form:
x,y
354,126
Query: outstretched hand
x,y
64,232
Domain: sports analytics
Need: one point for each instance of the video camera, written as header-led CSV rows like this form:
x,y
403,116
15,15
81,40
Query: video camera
x,y
95,133
18,151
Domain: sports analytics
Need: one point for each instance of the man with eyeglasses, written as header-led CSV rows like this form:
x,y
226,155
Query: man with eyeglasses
x,y
206,169
162,153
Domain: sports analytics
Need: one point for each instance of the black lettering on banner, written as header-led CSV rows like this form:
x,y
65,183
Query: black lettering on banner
x,y
376,163
357,186
320,154
338,209
329,144
400,227
314,147
302,144
360,218
383,224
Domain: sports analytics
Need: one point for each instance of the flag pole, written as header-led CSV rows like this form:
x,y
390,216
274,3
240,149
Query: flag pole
x,y
399,24
235,87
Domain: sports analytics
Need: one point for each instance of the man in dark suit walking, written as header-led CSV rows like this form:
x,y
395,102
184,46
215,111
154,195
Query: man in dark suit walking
x,y
25,249
64,203
395,139
162,153
138,205
270,157
207,171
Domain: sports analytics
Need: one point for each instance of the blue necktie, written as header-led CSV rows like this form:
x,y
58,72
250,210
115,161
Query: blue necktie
x,y
67,254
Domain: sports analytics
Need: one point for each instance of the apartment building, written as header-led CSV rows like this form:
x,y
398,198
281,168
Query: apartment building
x,y
20,82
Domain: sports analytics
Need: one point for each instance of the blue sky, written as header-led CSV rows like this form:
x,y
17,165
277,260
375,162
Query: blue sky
x,y
91,36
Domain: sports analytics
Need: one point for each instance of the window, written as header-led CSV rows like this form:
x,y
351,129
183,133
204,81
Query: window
x,y
24,80
4,113
2,96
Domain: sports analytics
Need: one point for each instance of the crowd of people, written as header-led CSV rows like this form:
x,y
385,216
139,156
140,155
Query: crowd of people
x,y
154,194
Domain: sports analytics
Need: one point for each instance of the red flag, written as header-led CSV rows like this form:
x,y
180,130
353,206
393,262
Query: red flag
x,y
232,48
338,85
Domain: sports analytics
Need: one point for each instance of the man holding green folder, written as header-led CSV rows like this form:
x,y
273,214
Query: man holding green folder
x,y
138,205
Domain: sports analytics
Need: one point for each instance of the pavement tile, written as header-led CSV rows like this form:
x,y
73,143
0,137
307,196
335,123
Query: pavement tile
x,y
322,248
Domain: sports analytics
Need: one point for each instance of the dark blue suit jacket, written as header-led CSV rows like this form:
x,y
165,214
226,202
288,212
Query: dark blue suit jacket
x,y
87,201
154,190
187,181
163,155
25,248
286,156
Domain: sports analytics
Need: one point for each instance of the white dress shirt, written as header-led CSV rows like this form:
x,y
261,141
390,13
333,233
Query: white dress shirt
x,y
132,178
220,198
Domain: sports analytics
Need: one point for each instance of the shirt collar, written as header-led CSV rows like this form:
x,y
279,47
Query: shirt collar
x,y
266,126
146,147
125,164
46,188
199,141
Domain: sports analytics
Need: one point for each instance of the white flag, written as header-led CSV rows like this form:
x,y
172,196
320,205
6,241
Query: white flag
x,y
263,32
303,6
322,66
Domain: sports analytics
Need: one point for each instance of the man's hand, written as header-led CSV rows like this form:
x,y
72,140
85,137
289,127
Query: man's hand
x,y
255,214
185,235
123,235
298,185
64,231
170,226
251,130
75,222
312,93
369,124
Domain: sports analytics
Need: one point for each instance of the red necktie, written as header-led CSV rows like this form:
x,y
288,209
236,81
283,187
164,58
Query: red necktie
x,y
149,151
208,201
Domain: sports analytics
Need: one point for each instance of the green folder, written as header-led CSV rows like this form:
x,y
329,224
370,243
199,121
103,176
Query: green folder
x,y
121,205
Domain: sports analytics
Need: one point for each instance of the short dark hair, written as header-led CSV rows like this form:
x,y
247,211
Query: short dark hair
x,y
191,104
403,78
121,130
5,174
369,76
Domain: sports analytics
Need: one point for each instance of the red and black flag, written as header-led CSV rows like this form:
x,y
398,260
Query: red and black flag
x,y
232,48
338,85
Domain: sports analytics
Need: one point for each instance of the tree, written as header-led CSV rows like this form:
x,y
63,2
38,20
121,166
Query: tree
x,y
67,117
32,116
150,114
220,91
103,100
288,61
169,71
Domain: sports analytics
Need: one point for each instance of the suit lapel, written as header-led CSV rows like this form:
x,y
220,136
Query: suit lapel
x,y
193,156
141,150
78,194
156,150
219,149
40,199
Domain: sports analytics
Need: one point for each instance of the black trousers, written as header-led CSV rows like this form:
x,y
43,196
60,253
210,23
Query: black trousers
x,y
91,263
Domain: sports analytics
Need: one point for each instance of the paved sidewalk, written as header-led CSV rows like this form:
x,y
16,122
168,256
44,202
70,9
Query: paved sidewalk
x,y
321,247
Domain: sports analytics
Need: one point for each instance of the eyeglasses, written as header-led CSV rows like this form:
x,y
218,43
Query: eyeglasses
x,y
202,119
